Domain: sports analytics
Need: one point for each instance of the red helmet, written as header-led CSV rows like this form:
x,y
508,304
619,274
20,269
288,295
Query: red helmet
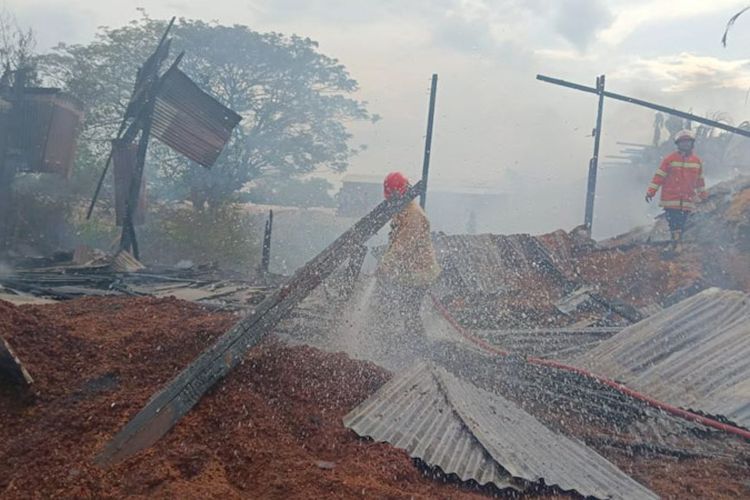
x,y
395,183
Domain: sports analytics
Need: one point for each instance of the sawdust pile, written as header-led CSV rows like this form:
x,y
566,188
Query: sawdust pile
x,y
272,429
641,276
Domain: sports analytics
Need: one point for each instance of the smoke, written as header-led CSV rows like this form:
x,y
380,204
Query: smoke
x,y
580,20
5,269
496,126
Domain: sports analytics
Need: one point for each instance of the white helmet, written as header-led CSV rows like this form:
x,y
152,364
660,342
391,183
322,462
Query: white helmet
x,y
684,134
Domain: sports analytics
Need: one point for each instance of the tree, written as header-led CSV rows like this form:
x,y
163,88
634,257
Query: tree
x,y
17,47
295,101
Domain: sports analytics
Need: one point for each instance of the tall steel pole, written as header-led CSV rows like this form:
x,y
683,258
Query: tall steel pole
x,y
428,141
594,163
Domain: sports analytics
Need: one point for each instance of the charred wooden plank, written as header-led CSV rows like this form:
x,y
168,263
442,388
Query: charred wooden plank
x,y
176,399
11,367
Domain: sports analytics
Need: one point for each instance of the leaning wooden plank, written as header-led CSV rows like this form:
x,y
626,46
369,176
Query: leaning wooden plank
x,y
174,400
11,367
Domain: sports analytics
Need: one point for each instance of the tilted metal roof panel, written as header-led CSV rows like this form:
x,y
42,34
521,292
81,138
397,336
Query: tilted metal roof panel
x,y
190,121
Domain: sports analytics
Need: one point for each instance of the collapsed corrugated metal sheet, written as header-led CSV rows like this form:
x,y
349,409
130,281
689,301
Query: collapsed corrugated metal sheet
x,y
481,436
550,342
190,121
517,281
694,355
491,263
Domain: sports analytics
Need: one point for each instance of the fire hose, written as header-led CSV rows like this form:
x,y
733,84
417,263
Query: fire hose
x,y
673,410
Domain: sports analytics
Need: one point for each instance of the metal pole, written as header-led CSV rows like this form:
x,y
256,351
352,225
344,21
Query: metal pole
x,y
646,104
594,163
428,141
266,252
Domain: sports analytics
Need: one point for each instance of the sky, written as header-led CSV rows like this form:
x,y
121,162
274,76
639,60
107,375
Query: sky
x,y
497,127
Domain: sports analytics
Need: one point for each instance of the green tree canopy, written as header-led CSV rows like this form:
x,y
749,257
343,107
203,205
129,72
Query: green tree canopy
x,y
295,101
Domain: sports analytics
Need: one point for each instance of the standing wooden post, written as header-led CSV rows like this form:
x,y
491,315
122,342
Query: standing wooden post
x,y
266,253
128,240
428,141
594,163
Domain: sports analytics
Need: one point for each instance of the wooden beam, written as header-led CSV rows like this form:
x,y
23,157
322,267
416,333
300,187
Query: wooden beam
x,y
11,366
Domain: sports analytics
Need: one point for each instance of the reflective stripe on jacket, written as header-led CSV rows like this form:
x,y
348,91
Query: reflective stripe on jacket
x,y
681,181
410,257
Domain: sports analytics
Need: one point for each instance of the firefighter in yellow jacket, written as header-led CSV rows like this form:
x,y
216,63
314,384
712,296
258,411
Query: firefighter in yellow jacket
x,y
409,265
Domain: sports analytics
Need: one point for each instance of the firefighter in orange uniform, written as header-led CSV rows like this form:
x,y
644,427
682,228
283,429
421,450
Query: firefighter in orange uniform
x,y
409,265
680,177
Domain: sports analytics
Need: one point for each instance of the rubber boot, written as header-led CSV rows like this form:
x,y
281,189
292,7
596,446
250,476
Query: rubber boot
x,y
670,250
677,241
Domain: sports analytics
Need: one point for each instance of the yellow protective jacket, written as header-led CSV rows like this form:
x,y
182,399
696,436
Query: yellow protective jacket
x,y
410,257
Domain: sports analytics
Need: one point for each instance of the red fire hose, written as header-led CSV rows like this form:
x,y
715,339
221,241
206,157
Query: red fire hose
x,y
678,412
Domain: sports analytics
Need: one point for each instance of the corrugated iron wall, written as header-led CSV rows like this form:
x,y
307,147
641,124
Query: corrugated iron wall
x,y
43,135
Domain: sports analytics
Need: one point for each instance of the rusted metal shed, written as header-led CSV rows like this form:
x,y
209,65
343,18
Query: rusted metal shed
x,y
43,137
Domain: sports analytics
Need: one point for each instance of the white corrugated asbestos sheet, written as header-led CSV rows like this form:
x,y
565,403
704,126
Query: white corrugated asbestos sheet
x,y
695,354
481,436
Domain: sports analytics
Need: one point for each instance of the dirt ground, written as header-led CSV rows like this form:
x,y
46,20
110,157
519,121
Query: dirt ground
x,y
272,429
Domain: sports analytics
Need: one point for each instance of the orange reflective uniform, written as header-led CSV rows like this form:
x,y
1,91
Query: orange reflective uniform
x,y
681,181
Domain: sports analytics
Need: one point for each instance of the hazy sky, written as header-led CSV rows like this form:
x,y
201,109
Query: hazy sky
x,y
496,125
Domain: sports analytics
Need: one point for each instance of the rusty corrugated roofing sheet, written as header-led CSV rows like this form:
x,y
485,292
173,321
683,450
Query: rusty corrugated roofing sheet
x,y
491,263
694,355
481,436
190,121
